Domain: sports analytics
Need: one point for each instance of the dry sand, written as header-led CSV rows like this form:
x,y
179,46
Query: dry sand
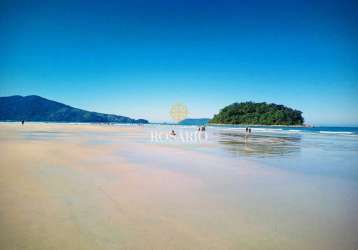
x,y
68,186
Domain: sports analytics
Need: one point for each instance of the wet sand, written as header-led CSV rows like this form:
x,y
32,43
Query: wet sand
x,y
65,186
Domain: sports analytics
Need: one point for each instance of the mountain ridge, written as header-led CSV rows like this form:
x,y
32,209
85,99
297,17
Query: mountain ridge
x,y
37,108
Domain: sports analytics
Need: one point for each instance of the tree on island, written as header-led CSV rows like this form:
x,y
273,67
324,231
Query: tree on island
x,y
259,114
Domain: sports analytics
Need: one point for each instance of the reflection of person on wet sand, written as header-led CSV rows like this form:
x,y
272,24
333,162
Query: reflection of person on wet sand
x,y
247,130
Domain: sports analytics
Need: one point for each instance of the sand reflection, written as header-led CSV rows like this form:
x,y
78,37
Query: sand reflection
x,y
261,145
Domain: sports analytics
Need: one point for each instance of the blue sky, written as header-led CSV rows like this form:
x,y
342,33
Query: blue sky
x,y
137,58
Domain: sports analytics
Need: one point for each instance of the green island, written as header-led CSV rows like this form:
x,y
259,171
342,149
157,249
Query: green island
x,y
262,113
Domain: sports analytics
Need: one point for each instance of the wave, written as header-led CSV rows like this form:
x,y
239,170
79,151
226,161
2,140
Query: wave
x,y
336,132
268,129
294,130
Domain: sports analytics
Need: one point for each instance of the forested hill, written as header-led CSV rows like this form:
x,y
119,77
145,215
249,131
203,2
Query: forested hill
x,y
258,114
36,108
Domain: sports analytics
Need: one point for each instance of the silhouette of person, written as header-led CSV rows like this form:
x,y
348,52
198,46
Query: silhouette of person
x,y
22,122
173,133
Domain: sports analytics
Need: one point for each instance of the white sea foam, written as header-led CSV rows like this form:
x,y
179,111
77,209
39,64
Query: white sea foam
x,y
336,132
294,131
268,130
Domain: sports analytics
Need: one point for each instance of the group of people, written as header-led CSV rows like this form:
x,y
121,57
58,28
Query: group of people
x,y
201,128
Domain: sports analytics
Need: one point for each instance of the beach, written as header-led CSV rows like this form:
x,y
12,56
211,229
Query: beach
x,y
91,186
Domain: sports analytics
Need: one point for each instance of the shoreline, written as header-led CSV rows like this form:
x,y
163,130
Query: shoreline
x,y
175,124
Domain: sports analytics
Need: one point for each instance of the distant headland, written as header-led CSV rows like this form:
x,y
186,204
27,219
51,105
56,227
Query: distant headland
x,y
194,121
262,113
37,108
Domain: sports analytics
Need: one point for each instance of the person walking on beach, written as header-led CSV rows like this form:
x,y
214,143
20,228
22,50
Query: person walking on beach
x,y
248,131
22,122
